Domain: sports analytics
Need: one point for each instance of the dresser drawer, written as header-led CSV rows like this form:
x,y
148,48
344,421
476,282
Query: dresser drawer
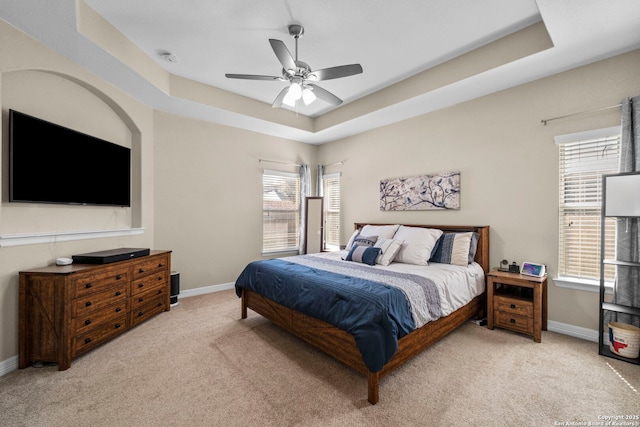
x,y
513,305
144,298
514,322
96,318
153,306
90,303
85,342
88,284
144,284
159,264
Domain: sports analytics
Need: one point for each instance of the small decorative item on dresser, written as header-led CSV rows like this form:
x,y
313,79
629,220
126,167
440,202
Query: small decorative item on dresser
x,y
514,268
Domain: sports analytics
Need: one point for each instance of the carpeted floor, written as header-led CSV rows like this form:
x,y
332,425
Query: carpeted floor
x,y
200,365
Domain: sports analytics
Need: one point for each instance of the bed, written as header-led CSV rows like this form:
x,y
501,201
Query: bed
x,y
369,330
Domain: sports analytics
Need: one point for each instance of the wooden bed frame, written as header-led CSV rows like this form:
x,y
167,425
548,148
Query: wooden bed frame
x,y
341,345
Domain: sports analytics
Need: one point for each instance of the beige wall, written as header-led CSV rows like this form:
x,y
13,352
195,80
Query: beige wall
x,y
508,163
208,190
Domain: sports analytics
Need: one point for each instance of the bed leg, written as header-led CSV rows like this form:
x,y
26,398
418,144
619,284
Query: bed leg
x,y
243,314
374,387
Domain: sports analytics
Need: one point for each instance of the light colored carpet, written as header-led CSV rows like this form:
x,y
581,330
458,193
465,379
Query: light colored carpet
x,y
200,365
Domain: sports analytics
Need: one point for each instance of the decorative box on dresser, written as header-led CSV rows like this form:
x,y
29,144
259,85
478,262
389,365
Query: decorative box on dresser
x,y
66,311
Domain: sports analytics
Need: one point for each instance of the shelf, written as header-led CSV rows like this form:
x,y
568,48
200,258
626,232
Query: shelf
x,y
605,351
514,291
621,308
625,263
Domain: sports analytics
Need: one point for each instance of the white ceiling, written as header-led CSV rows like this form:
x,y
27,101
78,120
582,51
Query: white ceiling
x,y
392,40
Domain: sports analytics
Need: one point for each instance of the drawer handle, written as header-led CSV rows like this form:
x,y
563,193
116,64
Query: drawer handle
x,y
160,278
140,285
513,306
140,299
159,291
159,304
118,277
160,265
87,304
87,322
88,285
87,340
141,270
140,313
118,293
118,309
117,325
512,320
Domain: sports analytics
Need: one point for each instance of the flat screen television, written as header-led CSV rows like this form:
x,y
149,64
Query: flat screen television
x,y
49,163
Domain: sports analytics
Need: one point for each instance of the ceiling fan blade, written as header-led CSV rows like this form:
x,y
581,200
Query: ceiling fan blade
x,y
253,77
335,72
284,56
325,95
277,103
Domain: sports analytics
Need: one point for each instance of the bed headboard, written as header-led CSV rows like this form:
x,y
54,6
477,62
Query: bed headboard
x,y
482,252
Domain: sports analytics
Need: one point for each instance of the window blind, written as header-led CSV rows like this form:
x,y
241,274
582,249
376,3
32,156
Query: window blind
x,y
280,211
582,164
331,191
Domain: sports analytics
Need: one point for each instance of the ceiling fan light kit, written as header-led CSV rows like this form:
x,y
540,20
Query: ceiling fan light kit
x,y
298,74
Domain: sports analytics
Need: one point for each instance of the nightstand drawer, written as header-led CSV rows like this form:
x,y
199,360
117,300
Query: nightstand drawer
x,y
514,322
513,305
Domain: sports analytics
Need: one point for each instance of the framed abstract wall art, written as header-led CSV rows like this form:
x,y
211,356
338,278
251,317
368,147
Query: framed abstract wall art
x,y
423,192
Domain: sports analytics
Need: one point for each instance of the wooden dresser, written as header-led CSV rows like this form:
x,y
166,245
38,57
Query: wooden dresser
x,y
66,311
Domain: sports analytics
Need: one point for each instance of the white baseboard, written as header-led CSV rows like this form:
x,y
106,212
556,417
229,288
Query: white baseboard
x,y
9,365
573,331
206,290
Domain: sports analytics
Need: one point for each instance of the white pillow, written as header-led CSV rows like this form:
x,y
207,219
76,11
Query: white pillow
x,y
417,244
388,250
382,231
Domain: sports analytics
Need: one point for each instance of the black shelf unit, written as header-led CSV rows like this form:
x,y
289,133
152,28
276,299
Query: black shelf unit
x,y
604,349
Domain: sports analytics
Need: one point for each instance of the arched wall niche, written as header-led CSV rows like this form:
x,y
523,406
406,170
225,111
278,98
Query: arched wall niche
x,y
73,103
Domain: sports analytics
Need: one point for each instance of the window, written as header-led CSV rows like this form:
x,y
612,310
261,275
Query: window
x,y
280,211
584,158
331,191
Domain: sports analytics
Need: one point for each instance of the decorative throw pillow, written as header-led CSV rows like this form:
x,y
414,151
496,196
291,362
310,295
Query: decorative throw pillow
x,y
362,240
417,244
388,250
363,254
473,247
454,248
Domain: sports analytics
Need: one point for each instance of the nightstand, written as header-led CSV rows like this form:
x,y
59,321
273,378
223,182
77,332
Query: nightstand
x,y
517,302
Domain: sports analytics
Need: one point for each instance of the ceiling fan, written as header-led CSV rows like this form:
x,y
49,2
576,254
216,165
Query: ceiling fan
x,y
299,75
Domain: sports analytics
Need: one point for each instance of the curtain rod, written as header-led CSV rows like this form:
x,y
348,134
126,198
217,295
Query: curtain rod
x,y
544,121
295,164
336,163
276,161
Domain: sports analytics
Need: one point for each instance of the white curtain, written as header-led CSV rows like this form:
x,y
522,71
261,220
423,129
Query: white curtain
x,y
305,191
627,289
319,183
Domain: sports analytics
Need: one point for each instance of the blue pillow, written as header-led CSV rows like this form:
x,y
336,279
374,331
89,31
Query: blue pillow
x,y
363,254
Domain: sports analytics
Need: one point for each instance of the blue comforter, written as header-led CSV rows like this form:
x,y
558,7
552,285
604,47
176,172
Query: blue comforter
x,y
376,314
